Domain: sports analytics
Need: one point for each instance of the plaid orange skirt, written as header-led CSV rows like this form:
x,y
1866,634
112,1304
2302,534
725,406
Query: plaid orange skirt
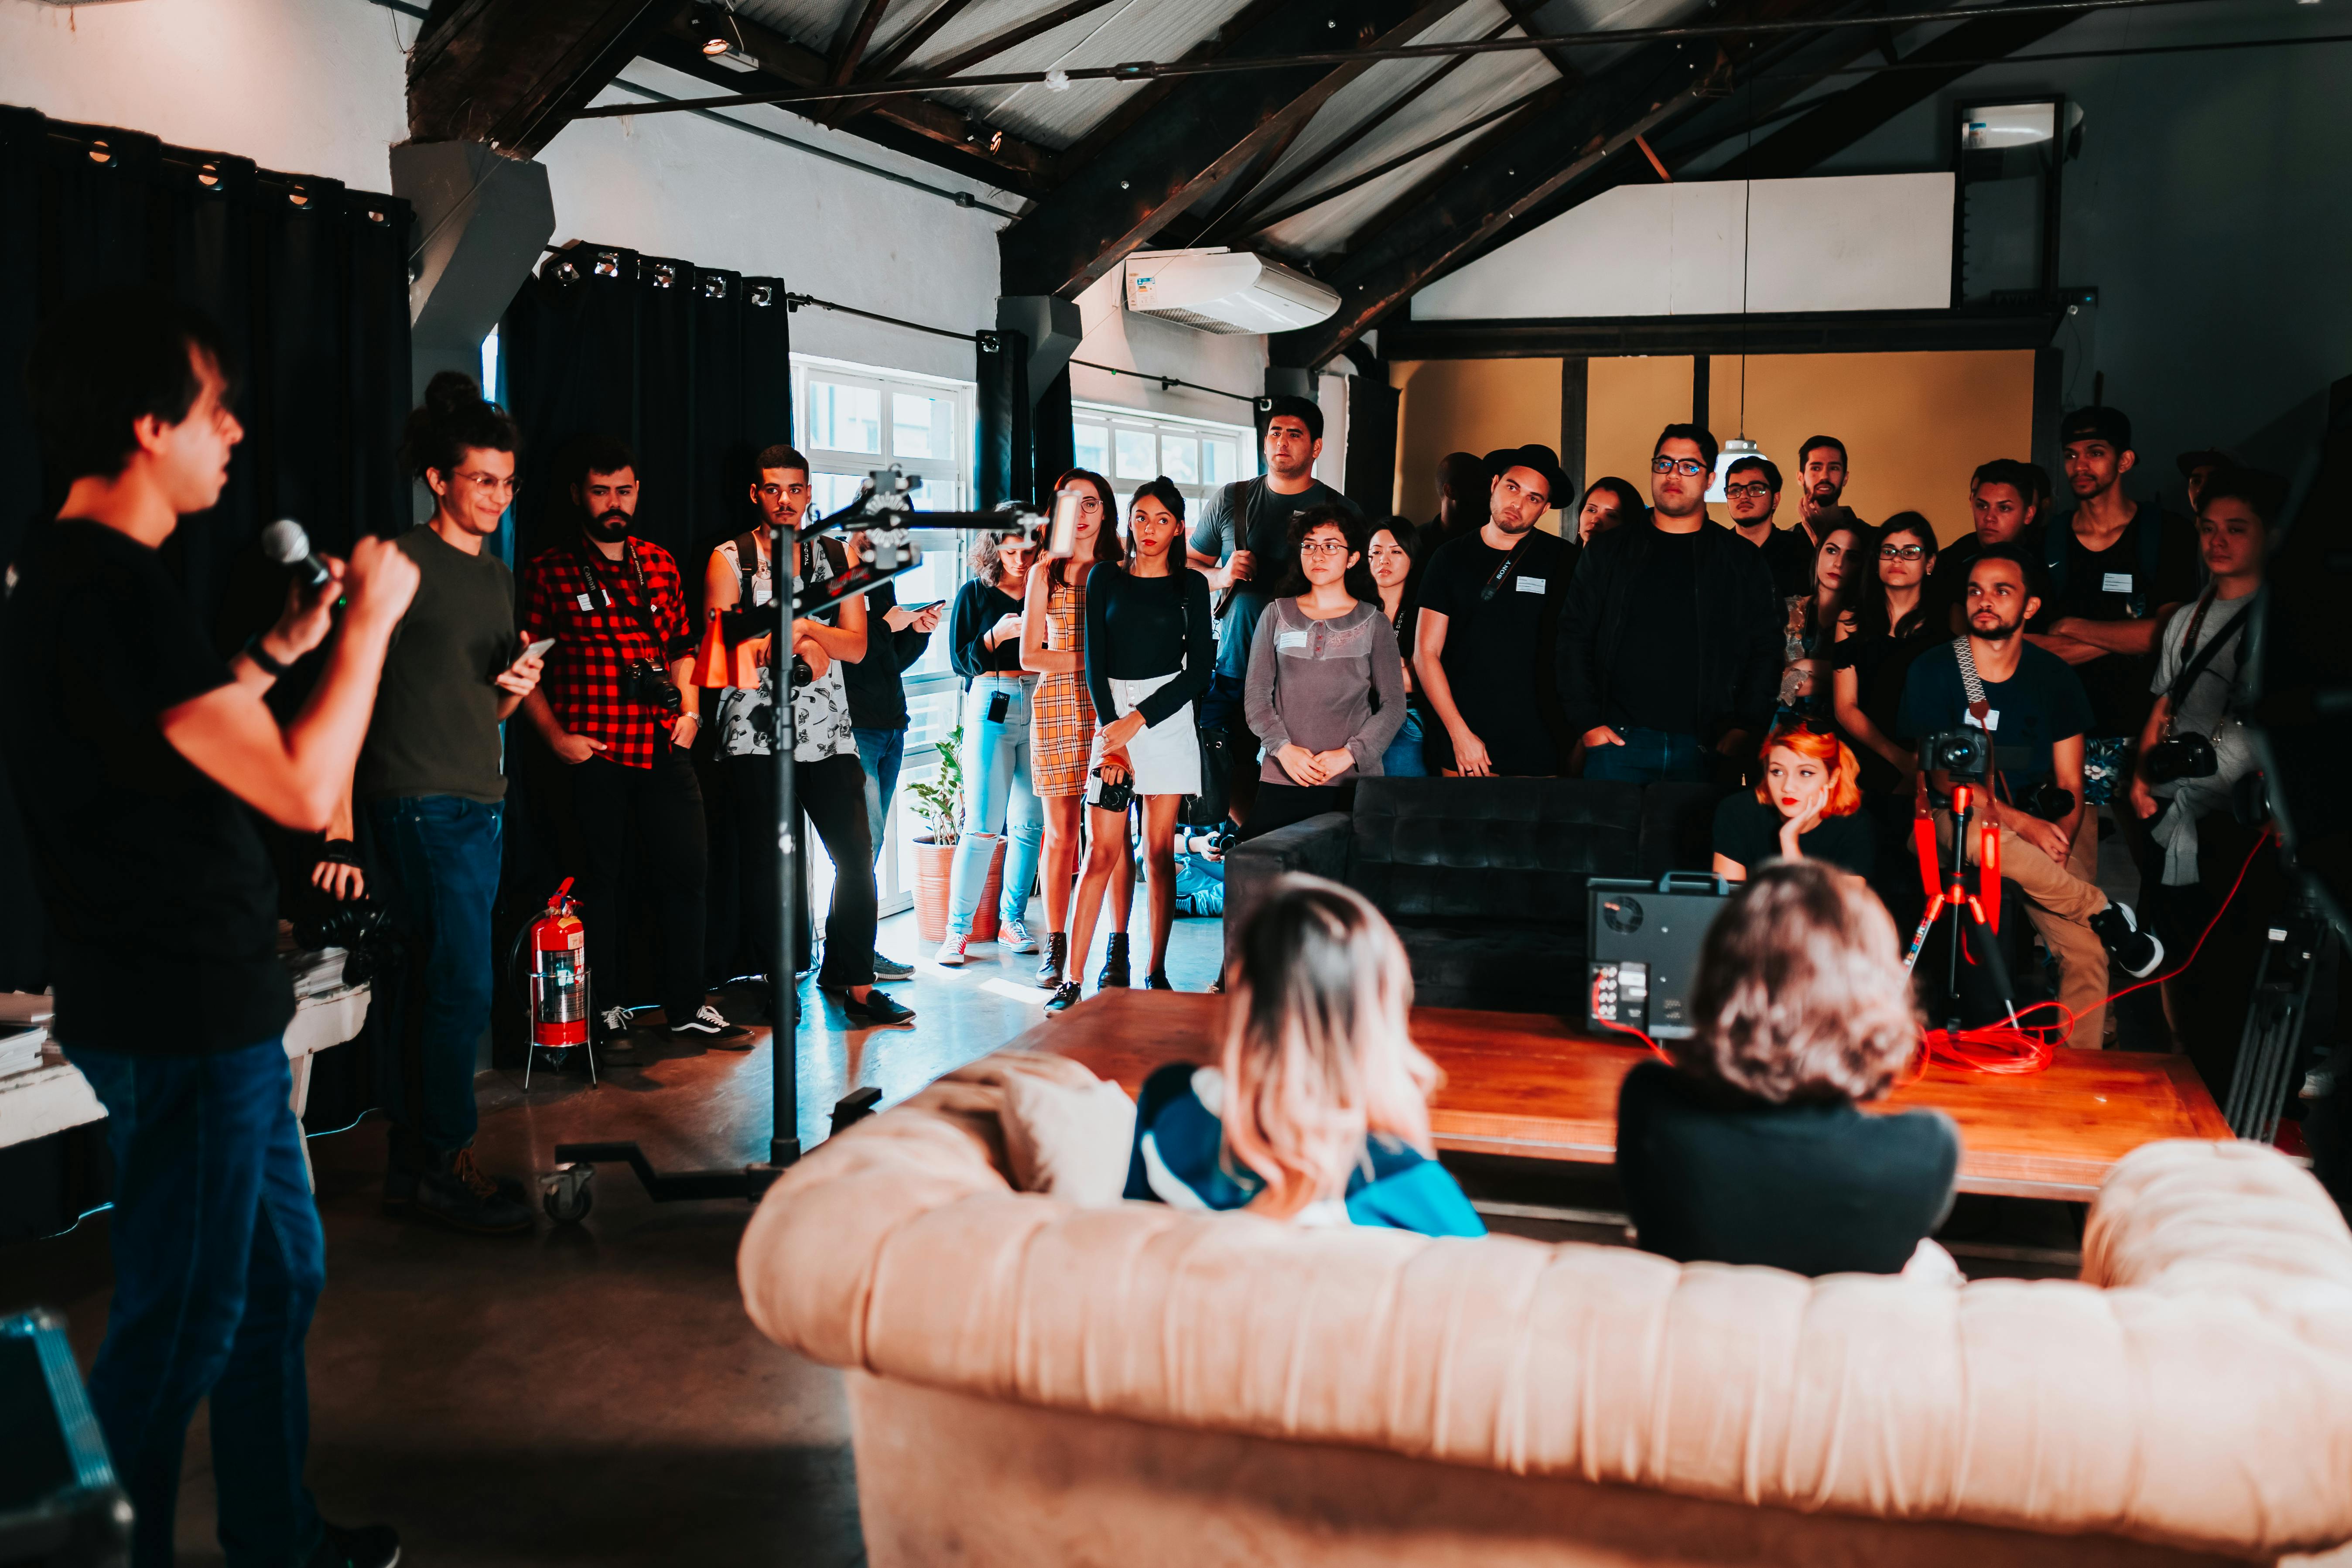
x,y
1061,714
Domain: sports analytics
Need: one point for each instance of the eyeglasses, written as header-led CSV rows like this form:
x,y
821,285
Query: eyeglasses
x,y
1689,468
1901,551
1756,491
1321,547
505,487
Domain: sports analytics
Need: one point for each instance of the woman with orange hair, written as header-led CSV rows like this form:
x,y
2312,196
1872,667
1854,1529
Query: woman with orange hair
x,y
1318,1109
1804,810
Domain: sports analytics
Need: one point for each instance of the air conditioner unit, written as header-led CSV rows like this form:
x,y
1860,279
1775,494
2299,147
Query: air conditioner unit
x,y
1222,290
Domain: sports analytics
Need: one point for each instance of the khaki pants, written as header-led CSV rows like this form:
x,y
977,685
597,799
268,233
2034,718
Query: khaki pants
x,y
2060,902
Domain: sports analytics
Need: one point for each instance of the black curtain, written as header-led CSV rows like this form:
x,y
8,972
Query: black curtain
x,y
692,366
307,281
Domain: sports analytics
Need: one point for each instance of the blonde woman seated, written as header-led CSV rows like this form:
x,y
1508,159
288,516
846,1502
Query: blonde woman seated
x,y
1752,1148
1317,1110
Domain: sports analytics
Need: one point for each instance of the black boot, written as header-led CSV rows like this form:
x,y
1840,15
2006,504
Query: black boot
x,y
1114,968
1057,958
455,1191
1064,997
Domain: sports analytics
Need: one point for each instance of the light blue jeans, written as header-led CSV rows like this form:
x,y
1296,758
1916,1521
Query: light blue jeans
x,y
998,802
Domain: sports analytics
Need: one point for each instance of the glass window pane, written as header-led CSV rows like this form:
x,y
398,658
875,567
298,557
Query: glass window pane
x,y
1137,459
1222,464
921,426
1092,446
1181,459
930,715
938,577
844,418
830,492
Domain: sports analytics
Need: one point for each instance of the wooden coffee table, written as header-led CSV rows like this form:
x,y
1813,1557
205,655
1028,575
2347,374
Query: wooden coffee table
x,y
1526,1084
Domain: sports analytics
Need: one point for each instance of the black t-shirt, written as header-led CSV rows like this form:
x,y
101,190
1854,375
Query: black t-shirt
x,y
1655,685
2041,703
875,685
1881,664
162,904
1498,647
2107,585
1748,830
1265,532
1140,628
978,607
1789,552
1712,1175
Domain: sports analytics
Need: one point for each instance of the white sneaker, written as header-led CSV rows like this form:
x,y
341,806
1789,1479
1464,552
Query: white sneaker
x,y
951,952
1013,937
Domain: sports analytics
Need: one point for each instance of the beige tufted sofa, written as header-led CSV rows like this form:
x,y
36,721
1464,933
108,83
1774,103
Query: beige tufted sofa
x,y
1034,1380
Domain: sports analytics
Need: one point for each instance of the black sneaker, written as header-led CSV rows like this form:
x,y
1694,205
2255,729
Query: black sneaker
x,y
712,1027
611,1036
1064,997
1114,968
458,1193
888,968
368,1546
2134,952
879,1007
1057,957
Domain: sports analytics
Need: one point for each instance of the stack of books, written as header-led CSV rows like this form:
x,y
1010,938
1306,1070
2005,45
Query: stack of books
x,y
23,1030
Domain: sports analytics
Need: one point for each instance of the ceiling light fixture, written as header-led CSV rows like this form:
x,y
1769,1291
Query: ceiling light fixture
x,y
714,30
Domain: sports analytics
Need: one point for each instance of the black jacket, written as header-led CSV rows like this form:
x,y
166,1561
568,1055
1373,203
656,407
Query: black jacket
x,y
1739,628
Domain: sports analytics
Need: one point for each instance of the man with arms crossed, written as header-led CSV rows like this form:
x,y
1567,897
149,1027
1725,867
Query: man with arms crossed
x,y
1489,615
1670,648
135,751
2035,711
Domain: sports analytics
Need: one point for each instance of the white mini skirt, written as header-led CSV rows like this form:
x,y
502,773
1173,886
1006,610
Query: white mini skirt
x,y
1166,755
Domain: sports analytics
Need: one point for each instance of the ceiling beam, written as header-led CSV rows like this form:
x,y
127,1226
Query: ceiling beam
x,y
1842,119
932,132
512,73
1198,136
1821,331
985,49
904,45
1523,12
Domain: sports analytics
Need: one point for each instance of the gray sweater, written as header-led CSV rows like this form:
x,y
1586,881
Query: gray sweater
x,y
1311,684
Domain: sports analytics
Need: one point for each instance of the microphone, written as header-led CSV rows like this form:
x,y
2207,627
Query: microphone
x,y
285,543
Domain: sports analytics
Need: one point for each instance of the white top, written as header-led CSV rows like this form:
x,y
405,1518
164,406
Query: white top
x,y
820,706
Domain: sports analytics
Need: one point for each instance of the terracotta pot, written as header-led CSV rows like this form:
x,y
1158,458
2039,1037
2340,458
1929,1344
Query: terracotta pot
x,y
934,872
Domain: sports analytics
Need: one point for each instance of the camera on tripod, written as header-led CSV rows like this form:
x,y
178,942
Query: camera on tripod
x,y
644,682
1966,755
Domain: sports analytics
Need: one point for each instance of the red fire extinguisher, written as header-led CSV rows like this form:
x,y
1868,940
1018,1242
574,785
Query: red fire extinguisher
x,y
559,974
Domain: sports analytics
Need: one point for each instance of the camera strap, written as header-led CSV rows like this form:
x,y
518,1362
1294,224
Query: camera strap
x,y
609,600
1973,684
2194,667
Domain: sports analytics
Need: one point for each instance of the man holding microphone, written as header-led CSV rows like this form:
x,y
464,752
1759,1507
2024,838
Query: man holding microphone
x,y
135,751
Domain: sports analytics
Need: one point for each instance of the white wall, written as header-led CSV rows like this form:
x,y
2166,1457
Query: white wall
x,y
305,87
1232,363
1707,248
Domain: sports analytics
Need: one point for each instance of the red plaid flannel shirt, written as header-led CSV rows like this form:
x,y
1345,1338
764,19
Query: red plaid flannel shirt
x,y
585,609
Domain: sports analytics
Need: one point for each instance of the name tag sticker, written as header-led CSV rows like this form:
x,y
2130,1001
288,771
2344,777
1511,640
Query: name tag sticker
x,y
1531,584
2116,583
1991,719
586,602
1289,639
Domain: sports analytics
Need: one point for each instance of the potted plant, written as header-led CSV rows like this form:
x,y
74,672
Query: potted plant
x,y
938,800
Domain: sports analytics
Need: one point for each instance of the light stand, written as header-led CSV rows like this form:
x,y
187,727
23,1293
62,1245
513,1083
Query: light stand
x,y
1948,895
883,512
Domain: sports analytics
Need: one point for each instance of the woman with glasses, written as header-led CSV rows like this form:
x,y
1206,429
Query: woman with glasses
x,y
1062,714
1884,629
1151,648
1813,615
1323,692
984,646
1393,553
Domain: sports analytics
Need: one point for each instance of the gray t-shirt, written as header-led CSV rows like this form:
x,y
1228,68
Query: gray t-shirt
x,y
1313,684
2205,701
1250,516
436,726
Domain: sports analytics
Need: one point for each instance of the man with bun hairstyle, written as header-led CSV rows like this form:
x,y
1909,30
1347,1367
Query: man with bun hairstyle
x,y
432,783
1489,616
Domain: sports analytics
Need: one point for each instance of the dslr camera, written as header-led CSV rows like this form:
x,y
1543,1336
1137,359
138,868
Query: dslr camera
x,y
644,682
1966,754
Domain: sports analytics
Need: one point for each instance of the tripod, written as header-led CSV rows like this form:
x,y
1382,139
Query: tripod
x,y
1948,898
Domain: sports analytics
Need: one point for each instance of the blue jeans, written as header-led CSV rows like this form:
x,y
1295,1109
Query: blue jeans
x,y
218,1261
1404,759
440,853
998,800
1651,756
880,753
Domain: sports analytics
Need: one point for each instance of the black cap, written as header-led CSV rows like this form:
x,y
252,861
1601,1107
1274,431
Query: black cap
x,y
2097,423
1542,459
2205,458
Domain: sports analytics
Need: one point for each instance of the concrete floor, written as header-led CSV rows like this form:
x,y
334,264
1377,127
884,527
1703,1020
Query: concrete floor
x,y
593,1394
589,1394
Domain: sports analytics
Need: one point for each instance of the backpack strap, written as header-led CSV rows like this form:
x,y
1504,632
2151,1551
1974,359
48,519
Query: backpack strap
x,y
747,568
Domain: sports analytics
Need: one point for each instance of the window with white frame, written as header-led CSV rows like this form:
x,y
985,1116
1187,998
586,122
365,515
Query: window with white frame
x,y
1128,448
853,419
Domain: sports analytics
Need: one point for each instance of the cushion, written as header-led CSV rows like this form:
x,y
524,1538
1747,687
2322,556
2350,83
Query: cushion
x,y
1067,1132
1531,842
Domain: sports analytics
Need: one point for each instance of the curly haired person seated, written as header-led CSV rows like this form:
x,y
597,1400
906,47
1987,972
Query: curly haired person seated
x,y
1753,1147
1317,1110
